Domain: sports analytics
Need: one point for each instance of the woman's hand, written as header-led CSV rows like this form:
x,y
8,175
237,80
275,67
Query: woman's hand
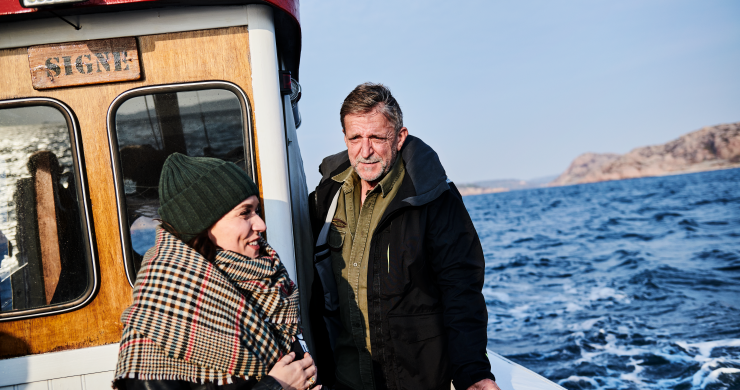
x,y
294,375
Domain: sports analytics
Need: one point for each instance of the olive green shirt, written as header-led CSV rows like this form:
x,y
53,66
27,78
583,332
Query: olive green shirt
x,y
349,239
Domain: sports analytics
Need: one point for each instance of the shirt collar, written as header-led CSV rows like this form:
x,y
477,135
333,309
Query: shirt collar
x,y
349,178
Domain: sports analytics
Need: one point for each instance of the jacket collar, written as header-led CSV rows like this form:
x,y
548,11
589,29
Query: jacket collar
x,y
423,169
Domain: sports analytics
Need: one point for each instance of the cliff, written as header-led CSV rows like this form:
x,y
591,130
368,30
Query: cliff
x,y
716,147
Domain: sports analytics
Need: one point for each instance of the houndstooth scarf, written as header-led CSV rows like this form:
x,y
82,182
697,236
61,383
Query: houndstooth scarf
x,y
199,321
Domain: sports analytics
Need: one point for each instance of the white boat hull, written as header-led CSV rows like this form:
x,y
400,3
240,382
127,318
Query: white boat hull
x,y
512,376
92,369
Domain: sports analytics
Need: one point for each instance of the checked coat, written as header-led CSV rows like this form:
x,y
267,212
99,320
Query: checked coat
x,y
198,321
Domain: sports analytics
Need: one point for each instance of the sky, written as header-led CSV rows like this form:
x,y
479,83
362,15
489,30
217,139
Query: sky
x,y
518,89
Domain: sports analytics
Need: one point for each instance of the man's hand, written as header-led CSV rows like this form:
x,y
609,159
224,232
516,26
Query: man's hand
x,y
485,384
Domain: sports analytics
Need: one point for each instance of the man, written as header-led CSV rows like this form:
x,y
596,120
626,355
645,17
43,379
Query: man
x,y
398,266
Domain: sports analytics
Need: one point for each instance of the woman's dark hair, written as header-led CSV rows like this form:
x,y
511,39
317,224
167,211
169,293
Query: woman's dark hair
x,y
200,243
203,245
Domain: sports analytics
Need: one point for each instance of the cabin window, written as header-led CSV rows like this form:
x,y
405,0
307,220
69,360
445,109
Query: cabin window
x,y
45,250
203,119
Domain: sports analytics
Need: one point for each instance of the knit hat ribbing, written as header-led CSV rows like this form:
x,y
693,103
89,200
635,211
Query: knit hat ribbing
x,y
195,192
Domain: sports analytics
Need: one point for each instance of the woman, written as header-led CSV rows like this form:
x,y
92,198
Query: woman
x,y
213,307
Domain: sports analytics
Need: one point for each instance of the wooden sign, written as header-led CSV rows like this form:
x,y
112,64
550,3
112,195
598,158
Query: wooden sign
x,y
82,63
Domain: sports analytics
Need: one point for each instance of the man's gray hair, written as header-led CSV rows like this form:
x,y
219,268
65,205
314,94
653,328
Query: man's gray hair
x,y
368,97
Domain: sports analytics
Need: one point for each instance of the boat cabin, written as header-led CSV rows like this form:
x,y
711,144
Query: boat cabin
x,y
94,95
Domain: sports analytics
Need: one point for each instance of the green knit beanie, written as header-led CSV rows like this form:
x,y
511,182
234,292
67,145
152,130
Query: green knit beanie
x,y
195,192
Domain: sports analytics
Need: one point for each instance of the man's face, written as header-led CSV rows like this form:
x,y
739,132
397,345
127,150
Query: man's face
x,y
372,144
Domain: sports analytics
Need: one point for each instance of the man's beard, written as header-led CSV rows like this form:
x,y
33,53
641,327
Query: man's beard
x,y
384,168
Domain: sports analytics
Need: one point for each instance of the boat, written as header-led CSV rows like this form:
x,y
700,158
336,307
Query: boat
x,y
94,95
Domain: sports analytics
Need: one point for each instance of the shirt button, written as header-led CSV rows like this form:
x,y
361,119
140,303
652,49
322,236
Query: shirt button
x,y
355,264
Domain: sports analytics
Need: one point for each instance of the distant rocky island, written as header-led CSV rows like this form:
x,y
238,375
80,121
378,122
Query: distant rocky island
x,y
710,148
715,147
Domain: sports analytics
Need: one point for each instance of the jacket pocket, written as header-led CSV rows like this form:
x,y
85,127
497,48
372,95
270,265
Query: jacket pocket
x,y
420,351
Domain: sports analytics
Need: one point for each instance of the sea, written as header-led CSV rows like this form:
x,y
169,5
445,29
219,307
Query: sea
x,y
630,284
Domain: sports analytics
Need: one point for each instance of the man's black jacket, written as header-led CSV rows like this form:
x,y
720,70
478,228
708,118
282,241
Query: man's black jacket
x,y
427,314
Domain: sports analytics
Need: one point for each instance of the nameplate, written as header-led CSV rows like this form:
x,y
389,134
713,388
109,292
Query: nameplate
x,y
83,63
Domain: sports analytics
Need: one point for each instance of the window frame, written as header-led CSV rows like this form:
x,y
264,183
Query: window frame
x,y
80,173
247,131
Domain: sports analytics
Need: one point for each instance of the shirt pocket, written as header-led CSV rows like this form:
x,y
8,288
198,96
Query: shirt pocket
x,y
335,239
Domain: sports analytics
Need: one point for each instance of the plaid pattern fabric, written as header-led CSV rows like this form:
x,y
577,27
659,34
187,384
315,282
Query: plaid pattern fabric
x,y
146,360
199,321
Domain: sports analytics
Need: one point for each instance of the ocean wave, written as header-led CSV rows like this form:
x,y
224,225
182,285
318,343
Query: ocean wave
x,y
617,285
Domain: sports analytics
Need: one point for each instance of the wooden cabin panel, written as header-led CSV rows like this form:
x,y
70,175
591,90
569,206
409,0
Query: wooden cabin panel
x,y
219,54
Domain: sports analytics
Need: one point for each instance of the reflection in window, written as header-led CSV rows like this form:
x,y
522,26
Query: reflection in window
x,y
204,123
42,246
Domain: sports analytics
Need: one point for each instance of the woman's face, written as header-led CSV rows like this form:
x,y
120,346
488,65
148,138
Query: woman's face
x,y
239,230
